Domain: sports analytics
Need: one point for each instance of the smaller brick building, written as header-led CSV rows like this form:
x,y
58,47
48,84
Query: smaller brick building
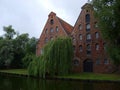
x,y
55,27
89,47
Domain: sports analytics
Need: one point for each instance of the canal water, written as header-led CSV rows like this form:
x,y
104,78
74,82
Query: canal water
x,y
23,83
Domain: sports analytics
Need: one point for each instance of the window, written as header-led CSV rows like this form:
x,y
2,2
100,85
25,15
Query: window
x,y
106,61
88,52
41,51
104,45
95,9
46,31
76,62
46,40
73,48
80,47
96,35
73,39
88,47
87,18
88,36
51,21
97,46
57,29
51,38
98,62
87,10
96,24
51,29
88,27
80,27
80,36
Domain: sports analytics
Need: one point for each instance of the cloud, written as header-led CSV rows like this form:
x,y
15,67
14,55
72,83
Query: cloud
x,y
30,16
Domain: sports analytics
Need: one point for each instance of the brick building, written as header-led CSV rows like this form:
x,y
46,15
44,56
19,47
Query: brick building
x,y
55,27
89,47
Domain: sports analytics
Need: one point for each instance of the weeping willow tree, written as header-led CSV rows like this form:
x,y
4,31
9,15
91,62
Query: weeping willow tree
x,y
56,59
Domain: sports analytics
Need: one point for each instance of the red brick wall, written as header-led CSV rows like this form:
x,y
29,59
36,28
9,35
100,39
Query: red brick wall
x,y
48,34
80,56
95,54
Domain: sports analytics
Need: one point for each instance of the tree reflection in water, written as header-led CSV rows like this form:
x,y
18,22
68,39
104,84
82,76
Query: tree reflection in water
x,y
21,83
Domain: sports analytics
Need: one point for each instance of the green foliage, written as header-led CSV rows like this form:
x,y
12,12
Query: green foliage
x,y
27,59
14,48
33,66
6,53
114,52
107,13
56,59
9,32
30,46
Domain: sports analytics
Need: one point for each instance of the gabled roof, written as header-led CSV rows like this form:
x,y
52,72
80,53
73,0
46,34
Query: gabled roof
x,y
87,5
66,26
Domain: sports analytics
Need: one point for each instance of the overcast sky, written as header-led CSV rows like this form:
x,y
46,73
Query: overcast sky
x,y
30,16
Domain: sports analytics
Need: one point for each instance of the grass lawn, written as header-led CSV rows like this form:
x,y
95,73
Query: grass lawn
x,y
81,76
93,76
16,71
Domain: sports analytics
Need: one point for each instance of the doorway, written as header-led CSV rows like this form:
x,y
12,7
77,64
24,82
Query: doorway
x,y
88,66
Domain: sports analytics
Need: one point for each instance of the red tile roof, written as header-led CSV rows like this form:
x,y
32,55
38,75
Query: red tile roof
x,y
66,26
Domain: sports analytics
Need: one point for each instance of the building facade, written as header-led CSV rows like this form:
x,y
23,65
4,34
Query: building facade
x,y
54,27
89,47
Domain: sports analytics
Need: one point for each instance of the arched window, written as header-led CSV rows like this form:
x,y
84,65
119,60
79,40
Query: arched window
x,y
46,40
57,29
106,61
76,62
97,46
104,45
88,27
41,51
80,27
97,61
88,47
51,21
73,39
87,18
88,36
51,38
80,47
73,48
80,36
96,35
51,30
96,24
46,31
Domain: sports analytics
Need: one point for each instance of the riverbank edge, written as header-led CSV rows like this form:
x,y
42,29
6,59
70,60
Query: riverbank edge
x,y
57,78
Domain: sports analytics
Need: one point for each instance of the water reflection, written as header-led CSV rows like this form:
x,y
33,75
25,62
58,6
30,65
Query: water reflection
x,y
13,83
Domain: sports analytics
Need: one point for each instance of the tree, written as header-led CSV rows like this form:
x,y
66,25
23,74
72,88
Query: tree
x,y
56,59
16,51
9,32
6,47
30,51
31,45
107,13
19,50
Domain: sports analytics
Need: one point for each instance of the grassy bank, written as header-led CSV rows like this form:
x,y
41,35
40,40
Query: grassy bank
x,y
93,76
15,71
80,76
